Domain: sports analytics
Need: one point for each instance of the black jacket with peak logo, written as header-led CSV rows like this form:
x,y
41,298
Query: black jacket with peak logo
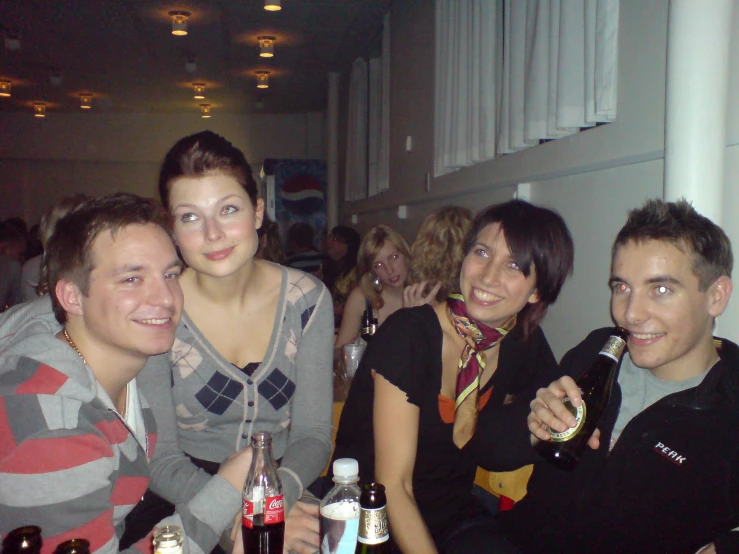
x,y
670,483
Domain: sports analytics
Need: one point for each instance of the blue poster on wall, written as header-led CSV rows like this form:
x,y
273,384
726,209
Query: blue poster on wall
x,y
300,195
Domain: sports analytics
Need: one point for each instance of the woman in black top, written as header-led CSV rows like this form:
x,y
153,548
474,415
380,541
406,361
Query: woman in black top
x,y
422,448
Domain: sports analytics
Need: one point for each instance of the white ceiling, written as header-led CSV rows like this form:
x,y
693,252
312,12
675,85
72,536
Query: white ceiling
x,y
123,52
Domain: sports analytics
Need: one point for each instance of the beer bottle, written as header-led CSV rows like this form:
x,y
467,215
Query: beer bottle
x,y
23,540
369,323
565,449
373,535
168,540
73,546
263,514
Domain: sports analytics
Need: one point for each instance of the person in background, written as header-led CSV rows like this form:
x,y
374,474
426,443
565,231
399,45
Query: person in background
x,y
302,254
12,245
438,252
662,472
253,349
31,276
270,243
383,266
435,376
342,247
79,440
18,250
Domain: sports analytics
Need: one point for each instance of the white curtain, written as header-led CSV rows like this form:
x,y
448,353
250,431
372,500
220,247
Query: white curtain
x,y
563,55
368,145
356,143
558,75
467,37
379,114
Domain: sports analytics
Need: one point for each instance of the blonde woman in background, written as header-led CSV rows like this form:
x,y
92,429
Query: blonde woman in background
x,y
383,266
438,252
33,283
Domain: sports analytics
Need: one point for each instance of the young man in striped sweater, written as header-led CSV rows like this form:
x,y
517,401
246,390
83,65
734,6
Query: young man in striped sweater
x,y
76,435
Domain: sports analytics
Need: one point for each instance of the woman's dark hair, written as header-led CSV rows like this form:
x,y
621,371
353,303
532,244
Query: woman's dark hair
x,y
535,236
201,154
351,238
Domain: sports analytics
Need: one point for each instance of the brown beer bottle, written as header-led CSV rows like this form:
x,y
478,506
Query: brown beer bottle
x,y
73,546
374,534
23,540
595,384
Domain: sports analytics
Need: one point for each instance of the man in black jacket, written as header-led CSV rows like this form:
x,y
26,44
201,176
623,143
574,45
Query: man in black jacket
x,y
663,472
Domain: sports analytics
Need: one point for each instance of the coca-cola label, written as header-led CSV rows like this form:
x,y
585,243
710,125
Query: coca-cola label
x,y
274,510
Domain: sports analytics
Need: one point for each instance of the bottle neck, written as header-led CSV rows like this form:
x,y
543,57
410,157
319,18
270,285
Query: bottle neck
x,y
346,480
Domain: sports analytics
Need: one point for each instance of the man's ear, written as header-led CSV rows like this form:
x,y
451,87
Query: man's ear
x,y
69,296
259,212
718,295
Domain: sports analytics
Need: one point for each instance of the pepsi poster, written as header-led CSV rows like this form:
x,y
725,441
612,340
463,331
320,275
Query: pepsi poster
x,y
300,195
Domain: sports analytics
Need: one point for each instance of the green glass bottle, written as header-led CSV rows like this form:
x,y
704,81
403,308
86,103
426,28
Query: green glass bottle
x,y
565,449
374,535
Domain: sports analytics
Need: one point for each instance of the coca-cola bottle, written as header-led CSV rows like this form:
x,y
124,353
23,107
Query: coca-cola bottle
x,y
263,522
23,540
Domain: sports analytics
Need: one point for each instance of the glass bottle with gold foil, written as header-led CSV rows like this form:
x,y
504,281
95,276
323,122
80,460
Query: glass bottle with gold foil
x,y
565,449
73,546
168,540
374,535
23,540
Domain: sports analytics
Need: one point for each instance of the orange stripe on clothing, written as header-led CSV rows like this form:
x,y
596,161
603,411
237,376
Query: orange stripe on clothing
x,y
446,406
129,490
7,440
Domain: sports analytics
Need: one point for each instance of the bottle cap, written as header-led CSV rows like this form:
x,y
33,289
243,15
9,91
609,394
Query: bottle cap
x,y
346,467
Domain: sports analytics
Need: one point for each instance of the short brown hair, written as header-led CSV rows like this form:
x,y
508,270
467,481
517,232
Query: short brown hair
x,y
202,154
679,224
438,250
68,253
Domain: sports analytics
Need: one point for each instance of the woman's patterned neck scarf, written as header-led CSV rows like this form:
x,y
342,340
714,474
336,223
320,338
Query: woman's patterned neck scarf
x,y
478,338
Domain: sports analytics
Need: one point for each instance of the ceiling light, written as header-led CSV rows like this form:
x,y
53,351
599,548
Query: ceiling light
x,y
56,78
179,22
199,90
190,65
266,46
272,5
12,39
39,109
85,101
5,88
262,79
204,110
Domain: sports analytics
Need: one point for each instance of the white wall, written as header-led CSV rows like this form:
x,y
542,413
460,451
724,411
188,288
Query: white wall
x,y
42,160
592,179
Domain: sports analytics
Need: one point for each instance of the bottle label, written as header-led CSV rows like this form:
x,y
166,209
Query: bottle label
x,y
613,348
579,414
339,527
273,508
373,526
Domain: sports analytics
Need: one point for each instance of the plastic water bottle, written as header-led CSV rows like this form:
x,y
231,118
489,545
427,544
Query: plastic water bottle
x,y
340,510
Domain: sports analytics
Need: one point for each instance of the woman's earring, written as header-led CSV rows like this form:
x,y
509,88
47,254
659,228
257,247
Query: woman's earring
x,y
376,282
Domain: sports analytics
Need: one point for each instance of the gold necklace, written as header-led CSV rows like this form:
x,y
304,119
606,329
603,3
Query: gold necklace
x,y
71,343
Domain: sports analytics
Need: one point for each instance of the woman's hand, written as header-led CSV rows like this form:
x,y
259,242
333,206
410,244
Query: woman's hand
x,y
302,528
236,467
413,294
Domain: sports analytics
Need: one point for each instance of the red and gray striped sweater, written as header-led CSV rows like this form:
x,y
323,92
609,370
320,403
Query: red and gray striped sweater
x,y
68,463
